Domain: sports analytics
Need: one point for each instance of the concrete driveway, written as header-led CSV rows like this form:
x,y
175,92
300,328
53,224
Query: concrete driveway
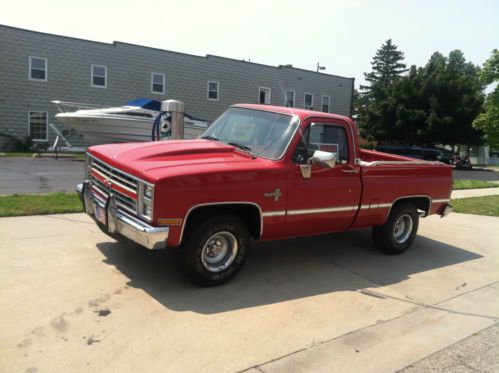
x,y
72,299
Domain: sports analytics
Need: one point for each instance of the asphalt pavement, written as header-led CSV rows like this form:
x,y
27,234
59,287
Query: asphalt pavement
x,y
25,175
73,299
484,174
45,175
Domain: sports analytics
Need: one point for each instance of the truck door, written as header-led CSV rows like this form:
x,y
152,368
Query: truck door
x,y
328,200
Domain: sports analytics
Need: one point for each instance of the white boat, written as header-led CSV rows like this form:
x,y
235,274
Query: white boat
x,y
132,122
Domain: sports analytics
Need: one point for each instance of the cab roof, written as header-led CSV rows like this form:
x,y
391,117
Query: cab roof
x,y
301,113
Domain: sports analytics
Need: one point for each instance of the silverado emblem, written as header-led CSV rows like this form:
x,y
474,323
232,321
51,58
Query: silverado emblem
x,y
276,194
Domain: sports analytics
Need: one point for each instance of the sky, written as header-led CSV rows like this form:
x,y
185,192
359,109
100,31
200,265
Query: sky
x,y
342,35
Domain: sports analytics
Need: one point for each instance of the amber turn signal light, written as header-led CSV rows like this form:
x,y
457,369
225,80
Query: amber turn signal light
x,y
169,221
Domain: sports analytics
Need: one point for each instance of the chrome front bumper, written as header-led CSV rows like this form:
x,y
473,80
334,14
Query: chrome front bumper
x,y
117,221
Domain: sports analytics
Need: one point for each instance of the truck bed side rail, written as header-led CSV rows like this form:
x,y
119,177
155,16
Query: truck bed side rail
x,y
399,163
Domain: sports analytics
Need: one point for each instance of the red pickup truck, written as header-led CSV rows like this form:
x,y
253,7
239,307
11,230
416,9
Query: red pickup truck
x,y
258,172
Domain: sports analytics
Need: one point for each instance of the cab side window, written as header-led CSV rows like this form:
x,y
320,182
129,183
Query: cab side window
x,y
322,136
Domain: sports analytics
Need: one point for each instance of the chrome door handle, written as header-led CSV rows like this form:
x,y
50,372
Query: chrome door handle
x,y
350,171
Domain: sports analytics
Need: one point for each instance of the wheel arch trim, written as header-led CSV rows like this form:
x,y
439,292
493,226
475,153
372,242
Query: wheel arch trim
x,y
201,205
408,197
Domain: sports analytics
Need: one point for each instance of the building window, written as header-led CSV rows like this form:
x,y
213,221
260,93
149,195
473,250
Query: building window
x,y
99,76
38,125
264,95
325,104
213,90
290,99
38,68
158,83
309,101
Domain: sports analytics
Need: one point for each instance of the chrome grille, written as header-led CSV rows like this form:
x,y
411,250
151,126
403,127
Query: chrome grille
x,y
116,177
122,200
113,175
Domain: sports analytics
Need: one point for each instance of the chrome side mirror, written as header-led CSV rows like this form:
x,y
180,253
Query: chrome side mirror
x,y
324,159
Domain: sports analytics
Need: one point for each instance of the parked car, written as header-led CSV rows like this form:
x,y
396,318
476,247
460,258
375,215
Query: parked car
x,y
427,154
447,156
259,172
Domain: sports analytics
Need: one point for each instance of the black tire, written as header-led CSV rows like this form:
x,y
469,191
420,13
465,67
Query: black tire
x,y
385,236
202,258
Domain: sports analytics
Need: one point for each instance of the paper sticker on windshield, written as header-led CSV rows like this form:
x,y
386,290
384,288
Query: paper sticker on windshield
x,y
242,132
331,148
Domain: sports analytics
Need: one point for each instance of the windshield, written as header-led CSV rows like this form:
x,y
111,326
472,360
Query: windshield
x,y
261,133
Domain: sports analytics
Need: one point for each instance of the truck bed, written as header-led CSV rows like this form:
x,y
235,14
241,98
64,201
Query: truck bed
x,y
388,177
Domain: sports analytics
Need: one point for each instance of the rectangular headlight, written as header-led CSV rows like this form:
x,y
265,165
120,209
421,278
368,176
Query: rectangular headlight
x,y
145,198
148,191
147,210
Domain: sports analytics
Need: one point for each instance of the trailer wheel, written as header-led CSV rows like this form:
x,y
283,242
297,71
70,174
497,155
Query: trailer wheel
x,y
215,251
398,232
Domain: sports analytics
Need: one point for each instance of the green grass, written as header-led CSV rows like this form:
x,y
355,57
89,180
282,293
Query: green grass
x,y
488,205
39,204
473,184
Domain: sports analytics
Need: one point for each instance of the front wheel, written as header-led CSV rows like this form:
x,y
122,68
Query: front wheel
x,y
214,251
399,231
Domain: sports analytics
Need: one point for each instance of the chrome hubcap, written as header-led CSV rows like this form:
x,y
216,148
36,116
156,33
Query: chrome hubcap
x,y
219,251
403,228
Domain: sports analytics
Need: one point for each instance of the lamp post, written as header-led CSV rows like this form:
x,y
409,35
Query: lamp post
x,y
319,67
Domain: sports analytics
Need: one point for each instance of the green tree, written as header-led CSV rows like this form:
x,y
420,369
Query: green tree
x,y
377,108
387,66
488,121
451,96
434,104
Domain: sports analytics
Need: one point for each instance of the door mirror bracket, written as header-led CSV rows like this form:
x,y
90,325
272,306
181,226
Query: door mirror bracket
x,y
323,159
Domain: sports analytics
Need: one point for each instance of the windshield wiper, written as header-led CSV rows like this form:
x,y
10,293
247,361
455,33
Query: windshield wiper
x,y
240,146
210,138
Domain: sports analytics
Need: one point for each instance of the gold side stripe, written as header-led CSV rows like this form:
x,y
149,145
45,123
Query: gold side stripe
x,y
440,200
336,209
267,214
321,210
376,206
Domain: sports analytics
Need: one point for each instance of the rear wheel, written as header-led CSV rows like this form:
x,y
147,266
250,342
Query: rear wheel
x,y
215,251
399,230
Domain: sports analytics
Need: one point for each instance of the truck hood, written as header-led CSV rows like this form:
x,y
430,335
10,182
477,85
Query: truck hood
x,y
155,160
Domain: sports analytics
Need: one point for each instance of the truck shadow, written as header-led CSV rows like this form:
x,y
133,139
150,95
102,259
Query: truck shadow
x,y
280,271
